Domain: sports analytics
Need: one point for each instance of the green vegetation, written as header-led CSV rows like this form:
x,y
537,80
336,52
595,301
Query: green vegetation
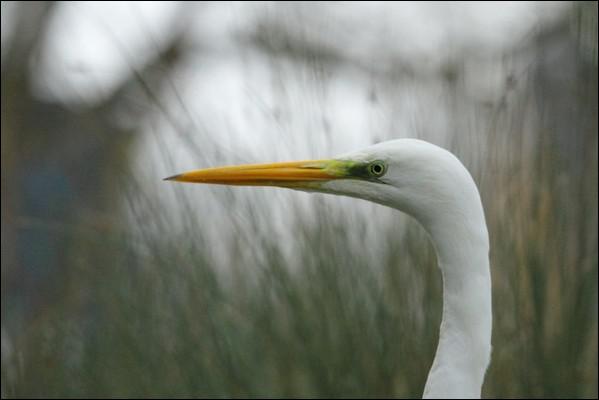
x,y
212,294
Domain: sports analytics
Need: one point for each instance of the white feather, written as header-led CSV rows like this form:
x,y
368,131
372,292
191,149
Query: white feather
x,y
433,186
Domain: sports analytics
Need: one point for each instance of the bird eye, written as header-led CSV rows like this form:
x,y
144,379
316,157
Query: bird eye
x,y
377,168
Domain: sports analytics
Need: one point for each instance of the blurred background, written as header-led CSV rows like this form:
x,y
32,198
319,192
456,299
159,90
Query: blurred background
x,y
115,283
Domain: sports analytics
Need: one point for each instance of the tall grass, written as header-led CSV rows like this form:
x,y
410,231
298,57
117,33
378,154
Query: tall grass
x,y
354,312
202,296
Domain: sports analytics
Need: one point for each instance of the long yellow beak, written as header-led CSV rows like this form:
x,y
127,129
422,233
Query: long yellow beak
x,y
286,174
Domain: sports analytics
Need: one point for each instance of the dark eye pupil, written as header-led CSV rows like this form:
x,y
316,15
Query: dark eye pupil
x,y
377,168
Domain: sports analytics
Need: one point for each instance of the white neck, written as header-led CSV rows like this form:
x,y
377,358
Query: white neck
x,y
435,188
464,346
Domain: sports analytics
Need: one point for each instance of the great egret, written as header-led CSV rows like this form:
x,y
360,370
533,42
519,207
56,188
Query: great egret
x,y
430,184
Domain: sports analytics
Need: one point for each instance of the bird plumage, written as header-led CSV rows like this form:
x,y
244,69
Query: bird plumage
x,y
433,186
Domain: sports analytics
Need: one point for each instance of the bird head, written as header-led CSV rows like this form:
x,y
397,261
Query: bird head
x,y
411,175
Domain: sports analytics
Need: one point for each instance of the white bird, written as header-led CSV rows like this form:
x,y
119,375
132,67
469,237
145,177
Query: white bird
x,y
430,184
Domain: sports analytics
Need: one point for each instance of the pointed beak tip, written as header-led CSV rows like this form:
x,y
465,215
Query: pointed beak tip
x,y
173,178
